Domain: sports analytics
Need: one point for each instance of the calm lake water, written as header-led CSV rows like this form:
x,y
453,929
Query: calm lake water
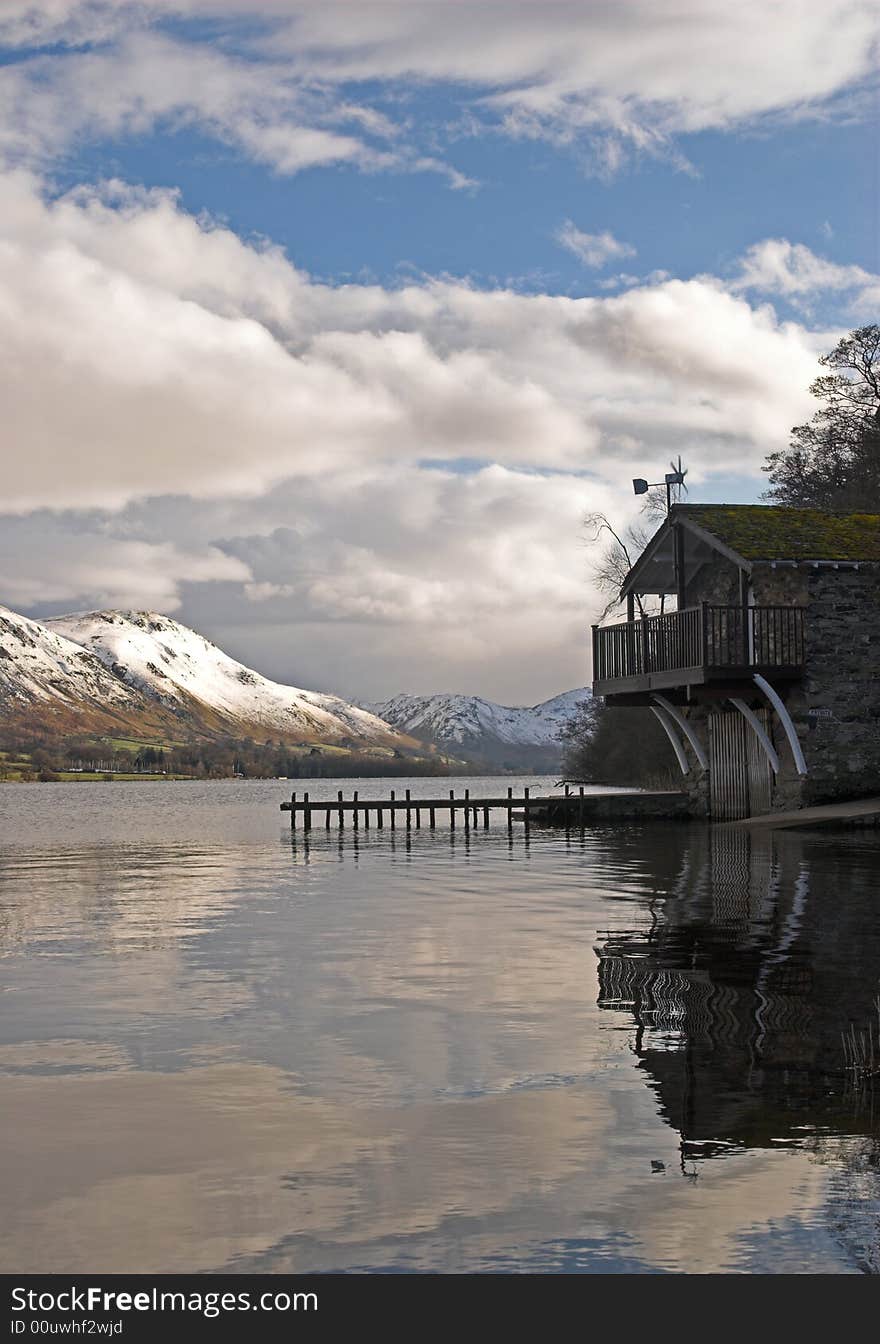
x,y
225,1049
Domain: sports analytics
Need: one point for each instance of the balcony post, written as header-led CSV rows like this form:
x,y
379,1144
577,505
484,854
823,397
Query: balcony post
x,y
704,632
646,649
595,653
678,534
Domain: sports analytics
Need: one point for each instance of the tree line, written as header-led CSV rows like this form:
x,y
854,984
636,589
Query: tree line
x,y
40,755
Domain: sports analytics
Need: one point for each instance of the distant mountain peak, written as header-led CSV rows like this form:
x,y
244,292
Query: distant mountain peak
x,y
483,729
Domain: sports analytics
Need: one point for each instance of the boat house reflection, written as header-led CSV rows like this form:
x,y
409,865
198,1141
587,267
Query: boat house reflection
x,y
741,988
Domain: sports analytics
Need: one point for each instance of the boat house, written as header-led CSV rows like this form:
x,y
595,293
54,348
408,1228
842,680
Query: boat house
x,y
765,674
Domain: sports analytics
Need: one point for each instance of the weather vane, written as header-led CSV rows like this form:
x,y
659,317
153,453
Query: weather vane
x,y
673,481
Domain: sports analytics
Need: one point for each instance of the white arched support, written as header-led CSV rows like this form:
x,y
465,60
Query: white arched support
x,y
687,728
669,729
785,719
760,733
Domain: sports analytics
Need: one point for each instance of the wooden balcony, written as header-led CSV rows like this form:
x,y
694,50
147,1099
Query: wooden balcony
x,y
696,646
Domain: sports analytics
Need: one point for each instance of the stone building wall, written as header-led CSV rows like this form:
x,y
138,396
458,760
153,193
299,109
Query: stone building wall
x,y
840,739
716,583
835,708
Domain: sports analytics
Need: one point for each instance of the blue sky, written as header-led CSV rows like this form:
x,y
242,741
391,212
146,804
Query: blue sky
x,y
327,324
815,184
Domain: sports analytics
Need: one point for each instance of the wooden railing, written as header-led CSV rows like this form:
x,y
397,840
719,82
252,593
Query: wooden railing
x,y
700,637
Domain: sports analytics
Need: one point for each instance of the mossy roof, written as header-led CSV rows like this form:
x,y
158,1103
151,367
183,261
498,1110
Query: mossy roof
x,y
769,532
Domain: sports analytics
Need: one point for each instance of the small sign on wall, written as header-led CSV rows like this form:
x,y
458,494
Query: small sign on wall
x,y
820,714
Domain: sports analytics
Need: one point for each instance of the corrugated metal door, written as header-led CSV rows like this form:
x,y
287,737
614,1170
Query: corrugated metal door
x,y
739,772
728,767
760,775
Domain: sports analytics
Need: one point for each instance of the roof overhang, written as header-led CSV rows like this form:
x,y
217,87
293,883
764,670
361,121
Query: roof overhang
x,y
654,572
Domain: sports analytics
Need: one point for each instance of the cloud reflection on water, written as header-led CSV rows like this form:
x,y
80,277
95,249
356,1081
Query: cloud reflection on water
x,y
379,1051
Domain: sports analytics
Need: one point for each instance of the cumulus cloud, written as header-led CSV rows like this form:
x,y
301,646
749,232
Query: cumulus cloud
x,y
593,249
295,467
148,352
793,271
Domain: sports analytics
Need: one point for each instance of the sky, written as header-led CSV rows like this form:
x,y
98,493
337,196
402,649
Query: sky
x,y
325,325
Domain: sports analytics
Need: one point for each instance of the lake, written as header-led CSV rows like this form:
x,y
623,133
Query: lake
x,y
228,1047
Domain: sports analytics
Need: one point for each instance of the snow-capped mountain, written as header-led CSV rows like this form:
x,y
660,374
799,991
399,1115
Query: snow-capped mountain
x,y
55,682
184,672
482,729
141,674
137,673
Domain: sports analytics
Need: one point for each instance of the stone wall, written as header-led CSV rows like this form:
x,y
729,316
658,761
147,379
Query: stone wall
x,y
716,583
840,738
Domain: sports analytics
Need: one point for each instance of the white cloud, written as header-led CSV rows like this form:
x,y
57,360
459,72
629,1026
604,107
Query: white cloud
x,y
700,64
798,275
593,249
290,465
776,266
619,79
43,561
305,452
146,80
147,352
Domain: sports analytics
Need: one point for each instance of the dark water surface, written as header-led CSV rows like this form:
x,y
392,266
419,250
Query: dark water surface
x,y
224,1049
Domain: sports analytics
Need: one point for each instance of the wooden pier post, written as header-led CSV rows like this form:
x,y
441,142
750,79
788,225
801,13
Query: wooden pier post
x,y
485,818
408,812
467,809
366,816
379,822
327,817
307,813
581,808
393,812
526,799
354,811
293,811
510,809
339,799
452,809
418,817
431,817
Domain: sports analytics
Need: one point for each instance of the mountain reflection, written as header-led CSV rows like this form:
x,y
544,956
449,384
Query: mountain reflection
x,y
759,956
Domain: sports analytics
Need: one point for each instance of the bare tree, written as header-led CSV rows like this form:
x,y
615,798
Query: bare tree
x,y
621,550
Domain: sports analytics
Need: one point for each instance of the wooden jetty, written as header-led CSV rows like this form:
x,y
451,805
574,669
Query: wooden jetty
x,y
572,808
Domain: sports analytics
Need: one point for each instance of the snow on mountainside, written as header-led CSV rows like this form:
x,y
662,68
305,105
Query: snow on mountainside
x,y
184,671
470,722
38,665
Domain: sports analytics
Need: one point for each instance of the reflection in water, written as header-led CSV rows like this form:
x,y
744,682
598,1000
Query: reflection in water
x,y
762,955
228,1046
743,985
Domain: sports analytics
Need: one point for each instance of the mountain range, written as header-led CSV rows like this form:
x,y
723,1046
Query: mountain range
x,y
143,675
500,735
